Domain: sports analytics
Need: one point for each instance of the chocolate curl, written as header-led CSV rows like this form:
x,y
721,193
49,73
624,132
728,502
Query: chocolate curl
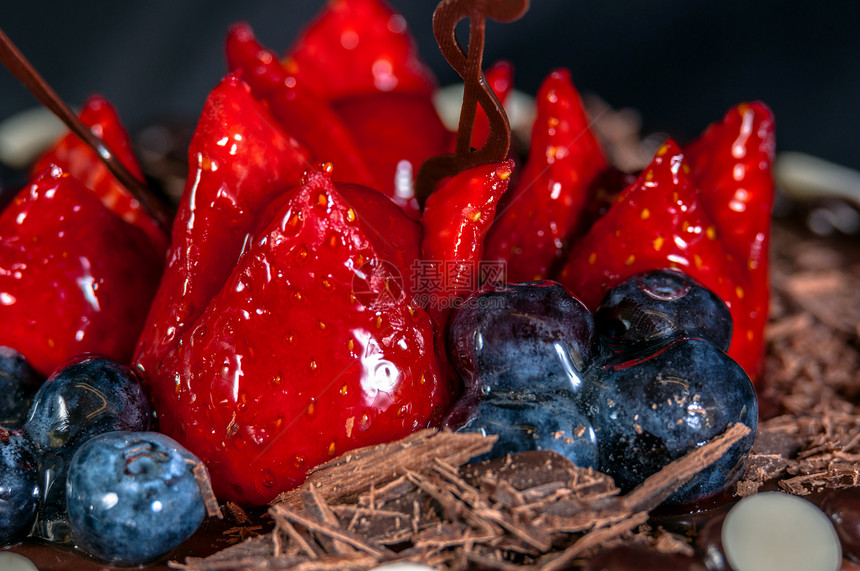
x,y
24,71
467,63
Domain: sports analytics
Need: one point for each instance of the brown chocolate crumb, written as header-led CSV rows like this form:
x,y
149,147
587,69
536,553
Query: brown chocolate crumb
x,y
236,513
241,533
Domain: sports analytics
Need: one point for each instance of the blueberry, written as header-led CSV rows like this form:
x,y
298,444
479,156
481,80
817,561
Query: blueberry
x,y
18,383
648,412
132,496
530,336
528,421
86,397
19,491
654,308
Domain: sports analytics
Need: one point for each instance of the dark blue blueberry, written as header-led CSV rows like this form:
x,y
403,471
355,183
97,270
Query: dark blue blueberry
x,y
528,421
654,308
87,397
18,383
132,496
648,412
19,491
522,337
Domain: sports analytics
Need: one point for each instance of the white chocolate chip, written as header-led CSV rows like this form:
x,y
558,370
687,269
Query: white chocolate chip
x,y
780,532
13,562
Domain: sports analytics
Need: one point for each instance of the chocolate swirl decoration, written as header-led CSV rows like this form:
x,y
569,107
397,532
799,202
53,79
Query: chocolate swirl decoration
x,y
467,63
24,71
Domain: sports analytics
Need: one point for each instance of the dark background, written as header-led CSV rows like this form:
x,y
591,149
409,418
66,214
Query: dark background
x,y
681,63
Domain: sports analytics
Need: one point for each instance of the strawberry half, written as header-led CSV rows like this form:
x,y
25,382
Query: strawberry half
x,y
76,277
364,136
456,219
358,47
290,363
301,113
395,127
77,159
658,222
543,210
239,161
731,161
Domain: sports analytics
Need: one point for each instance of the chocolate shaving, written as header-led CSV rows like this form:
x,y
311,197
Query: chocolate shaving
x,y
23,70
201,474
594,539
354,472
534,508
236,513
466,61
657,488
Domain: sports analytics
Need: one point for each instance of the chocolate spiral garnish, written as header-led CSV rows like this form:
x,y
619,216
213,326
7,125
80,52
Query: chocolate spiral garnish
x,y
24,71
467,63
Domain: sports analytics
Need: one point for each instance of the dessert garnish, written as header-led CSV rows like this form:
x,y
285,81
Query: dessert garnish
x,y
132,496
467,63
777,531
85,471
87,397
625,393
426,504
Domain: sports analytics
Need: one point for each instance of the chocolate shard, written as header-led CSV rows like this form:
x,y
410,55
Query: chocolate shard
x,y
354,472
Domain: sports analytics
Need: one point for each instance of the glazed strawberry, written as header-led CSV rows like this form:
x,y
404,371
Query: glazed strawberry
x,y
237,221
456,219
395,127
298,110
364,136
543,210
240,161
396,236
77,277
77,159
659,222
358,47
289,365
731,162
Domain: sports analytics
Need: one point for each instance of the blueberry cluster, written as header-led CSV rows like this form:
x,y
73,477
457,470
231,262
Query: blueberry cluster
x,y
627,390
522,350
82,468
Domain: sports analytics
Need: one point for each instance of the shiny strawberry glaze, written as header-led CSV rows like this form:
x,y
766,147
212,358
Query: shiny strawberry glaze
x,y
75,278
286,367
